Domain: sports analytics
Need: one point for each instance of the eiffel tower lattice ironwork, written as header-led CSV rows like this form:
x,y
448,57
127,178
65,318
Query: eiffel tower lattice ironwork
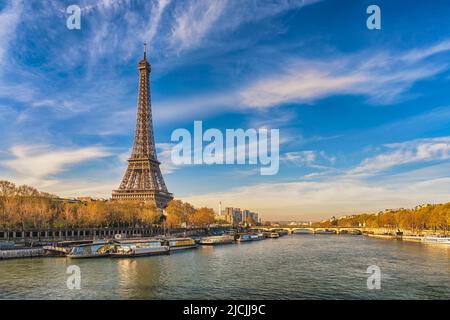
x,y
143,180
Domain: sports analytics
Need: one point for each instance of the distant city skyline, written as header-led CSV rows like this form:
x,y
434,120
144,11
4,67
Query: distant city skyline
x,y
363,115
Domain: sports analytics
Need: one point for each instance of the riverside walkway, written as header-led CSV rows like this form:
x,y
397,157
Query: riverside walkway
x,y
30,236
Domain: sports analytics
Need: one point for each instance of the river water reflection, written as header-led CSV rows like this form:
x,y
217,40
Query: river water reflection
x,y
292,267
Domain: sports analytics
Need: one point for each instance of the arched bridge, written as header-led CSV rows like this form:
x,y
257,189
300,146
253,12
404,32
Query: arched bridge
x,y
311,230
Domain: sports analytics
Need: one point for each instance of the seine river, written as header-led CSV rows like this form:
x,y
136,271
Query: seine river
x,y
292,267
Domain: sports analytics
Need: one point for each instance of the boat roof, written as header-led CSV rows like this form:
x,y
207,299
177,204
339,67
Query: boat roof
x,y
140,240
92,244
219,236
74,242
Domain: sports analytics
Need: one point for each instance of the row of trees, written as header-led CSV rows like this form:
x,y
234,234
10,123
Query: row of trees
x,y
184,214
428,217
25,208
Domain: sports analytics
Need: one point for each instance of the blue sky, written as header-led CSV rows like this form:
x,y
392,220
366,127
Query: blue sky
x,y
364,115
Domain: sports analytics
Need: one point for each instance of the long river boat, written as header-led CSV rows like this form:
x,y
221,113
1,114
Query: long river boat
x,y
436,240
176,244
217,240
249,237
138,248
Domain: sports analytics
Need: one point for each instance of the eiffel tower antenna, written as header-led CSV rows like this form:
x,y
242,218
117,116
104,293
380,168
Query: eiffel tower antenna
x,y
145,50
143,180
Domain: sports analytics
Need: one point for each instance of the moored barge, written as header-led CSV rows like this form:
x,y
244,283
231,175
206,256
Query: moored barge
x,y
217,240
176,244
138,248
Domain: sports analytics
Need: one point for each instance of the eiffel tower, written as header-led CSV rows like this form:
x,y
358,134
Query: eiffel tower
x,y
143,180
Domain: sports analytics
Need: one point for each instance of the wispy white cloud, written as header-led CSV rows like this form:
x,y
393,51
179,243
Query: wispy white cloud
x,y
382,77
255,10
302,157
269,120
82,187
9,20
422,150
195,20
105,5
309,158
38,163
192,22
157,12
194,107
302,86
423,53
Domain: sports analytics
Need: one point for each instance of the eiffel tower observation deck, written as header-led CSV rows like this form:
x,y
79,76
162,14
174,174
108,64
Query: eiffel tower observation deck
x,y
143,180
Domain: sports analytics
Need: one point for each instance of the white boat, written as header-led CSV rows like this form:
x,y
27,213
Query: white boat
x,y
436,240
243,238
274,235
281,232
22,252
138,248
386,236
256,237
176,244
412,238
215,240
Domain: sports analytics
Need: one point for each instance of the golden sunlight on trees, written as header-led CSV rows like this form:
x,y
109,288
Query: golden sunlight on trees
x,y
202,217
178,213
181,213
426,217
26,208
